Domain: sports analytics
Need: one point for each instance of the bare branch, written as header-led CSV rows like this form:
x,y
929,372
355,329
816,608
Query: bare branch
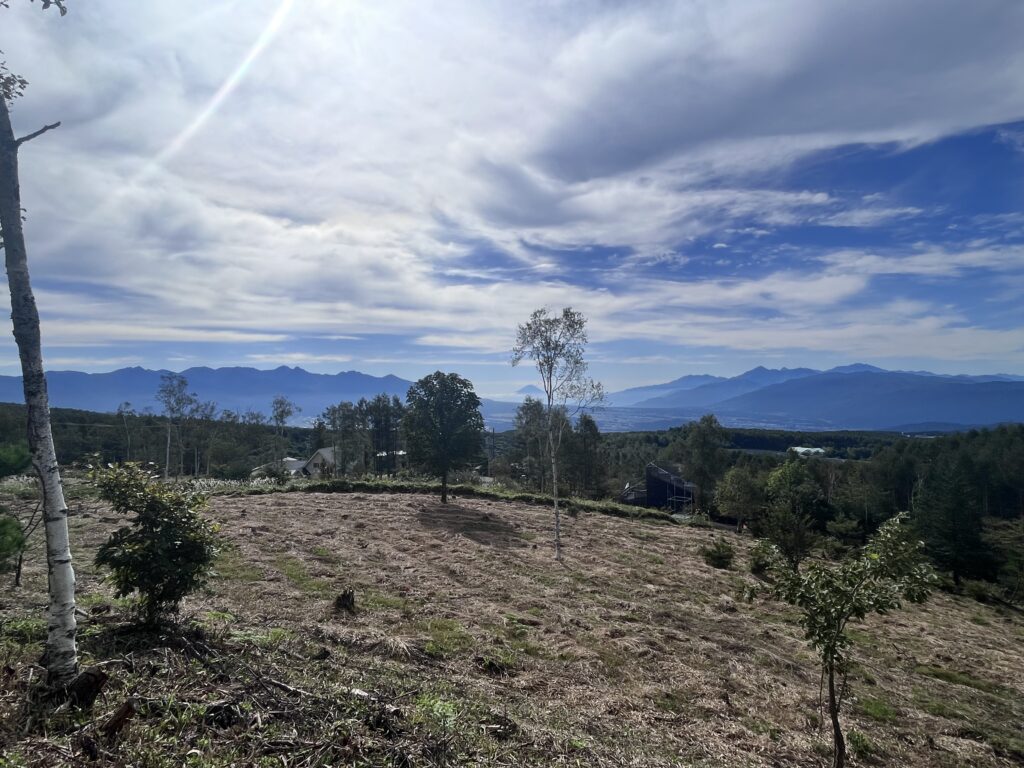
x,y
36,134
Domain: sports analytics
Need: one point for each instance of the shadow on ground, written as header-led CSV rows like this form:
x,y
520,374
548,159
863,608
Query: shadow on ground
x,y
482,527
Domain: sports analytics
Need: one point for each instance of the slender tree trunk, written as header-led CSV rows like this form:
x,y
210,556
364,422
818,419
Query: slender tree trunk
x,y
554,496
61,649
167,458
838,742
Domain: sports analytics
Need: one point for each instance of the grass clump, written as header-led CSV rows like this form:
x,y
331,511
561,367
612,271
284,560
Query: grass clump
x,y
959,678
293,569
446,638
861,746
877,709
720,554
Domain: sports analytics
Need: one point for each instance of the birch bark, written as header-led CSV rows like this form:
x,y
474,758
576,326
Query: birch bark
x,y
61,648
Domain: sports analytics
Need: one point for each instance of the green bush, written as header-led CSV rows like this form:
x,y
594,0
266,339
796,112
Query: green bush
x,y
11,539
719,555
167,551
14,459
761,558
860,745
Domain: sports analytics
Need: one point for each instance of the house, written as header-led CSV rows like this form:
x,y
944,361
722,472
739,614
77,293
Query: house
x,y
801,450
320,464
661,490
288,465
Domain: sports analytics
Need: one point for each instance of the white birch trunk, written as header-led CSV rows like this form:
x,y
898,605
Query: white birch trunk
x,y
61,649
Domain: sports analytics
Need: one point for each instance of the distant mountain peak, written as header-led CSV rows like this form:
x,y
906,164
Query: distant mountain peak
x,y
857,368
530,389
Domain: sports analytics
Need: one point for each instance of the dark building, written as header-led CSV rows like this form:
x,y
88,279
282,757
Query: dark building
x,y
661,490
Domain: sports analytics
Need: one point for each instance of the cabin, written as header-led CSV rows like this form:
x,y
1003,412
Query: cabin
x,y
660,490
320,464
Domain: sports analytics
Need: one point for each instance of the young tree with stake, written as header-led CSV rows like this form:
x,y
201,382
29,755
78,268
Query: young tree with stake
x,y
61,648
555,344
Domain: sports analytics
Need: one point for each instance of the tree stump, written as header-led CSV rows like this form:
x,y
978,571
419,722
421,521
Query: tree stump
x,y
345,602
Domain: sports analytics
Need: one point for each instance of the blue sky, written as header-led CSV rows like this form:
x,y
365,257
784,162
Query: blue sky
x,y
391,187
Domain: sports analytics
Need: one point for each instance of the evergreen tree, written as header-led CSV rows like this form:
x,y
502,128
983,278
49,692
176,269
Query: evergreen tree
x,y
948,517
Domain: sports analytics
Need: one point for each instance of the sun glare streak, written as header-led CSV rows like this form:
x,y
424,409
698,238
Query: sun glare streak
x,y
227,87
183,137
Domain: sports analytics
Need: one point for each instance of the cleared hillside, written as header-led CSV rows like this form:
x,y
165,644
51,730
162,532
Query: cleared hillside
x,y
633,652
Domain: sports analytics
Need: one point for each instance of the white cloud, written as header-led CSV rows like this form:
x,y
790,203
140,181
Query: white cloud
x,y
365,159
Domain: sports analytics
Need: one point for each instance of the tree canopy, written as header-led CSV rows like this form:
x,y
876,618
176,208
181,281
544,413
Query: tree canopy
x,y
443,425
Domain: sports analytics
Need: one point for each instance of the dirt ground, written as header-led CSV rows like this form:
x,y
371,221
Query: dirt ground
x,y
633,652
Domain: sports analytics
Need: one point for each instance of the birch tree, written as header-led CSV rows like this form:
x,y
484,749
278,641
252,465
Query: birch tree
x,y
61,647
555,344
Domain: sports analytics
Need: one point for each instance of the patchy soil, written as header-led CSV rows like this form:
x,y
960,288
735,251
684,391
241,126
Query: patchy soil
x,y
476,647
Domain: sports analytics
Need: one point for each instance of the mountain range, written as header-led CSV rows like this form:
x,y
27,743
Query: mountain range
x,y
854,396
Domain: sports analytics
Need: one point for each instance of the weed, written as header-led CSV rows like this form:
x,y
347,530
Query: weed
x,y
24,630
877,709
719,555
232,567
861,746
447,638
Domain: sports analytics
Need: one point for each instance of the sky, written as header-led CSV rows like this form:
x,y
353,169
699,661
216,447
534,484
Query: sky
x,y
392,186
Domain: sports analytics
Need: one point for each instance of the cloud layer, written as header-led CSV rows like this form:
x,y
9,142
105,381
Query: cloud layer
x,y
258,182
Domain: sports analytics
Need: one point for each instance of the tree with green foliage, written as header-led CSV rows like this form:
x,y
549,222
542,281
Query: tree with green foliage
x,y
443,426
281,410
949,520
792,494
739,495
167,550
701,453
177,401
555,344
887,571
585,465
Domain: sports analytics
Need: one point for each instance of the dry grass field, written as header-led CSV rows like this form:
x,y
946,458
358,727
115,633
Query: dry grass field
x,y
470,645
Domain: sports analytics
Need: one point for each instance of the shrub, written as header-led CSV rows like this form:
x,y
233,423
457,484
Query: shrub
x,y
719,555
761,558
860,745
11,539
14,459
168,549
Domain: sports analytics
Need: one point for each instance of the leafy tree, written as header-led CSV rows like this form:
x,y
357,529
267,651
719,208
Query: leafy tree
x,y
702,456
792,494
585,460
555,344
739,495
61,647
167,550
443,425
887,571
529,452
177,401
281,410
382,417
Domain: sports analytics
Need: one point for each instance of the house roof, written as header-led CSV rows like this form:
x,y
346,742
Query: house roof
x,y
327,454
